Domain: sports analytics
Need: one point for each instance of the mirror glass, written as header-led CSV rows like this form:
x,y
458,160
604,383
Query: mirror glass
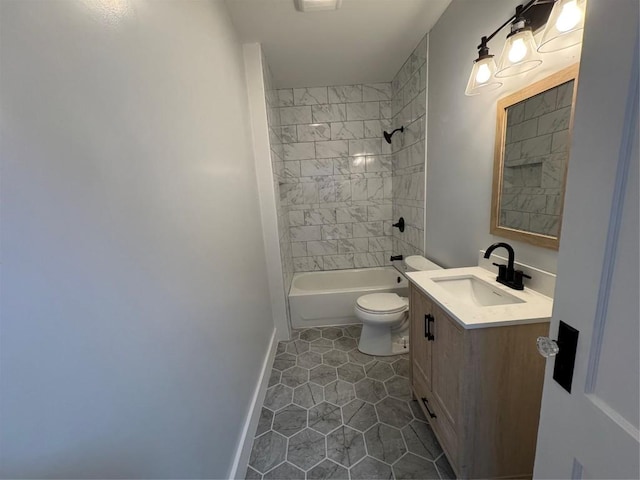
x,y
532,154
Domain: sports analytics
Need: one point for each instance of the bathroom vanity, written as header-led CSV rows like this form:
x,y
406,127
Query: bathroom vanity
x,y
475,370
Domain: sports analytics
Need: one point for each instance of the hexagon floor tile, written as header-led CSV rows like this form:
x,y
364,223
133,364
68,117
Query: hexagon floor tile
x,y
296,376
291,419
385,443
324,417
306,449
333,412
345,446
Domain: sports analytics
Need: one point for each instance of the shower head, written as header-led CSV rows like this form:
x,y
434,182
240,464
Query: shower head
x,y
387,136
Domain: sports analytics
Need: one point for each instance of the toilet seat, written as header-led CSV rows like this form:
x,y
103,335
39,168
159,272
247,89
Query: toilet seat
x,y
382,303
385,317
382,319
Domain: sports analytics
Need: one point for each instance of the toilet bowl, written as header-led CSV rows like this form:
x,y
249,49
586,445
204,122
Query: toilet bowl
x,y
385,316
385,324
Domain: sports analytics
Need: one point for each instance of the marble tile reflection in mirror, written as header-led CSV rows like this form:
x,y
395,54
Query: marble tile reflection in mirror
x,y
532,154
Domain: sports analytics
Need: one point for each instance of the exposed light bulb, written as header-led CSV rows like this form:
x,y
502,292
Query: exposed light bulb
x,y
569,17
518,51
484,73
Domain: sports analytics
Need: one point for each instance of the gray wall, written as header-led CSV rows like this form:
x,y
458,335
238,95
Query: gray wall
x,y
460,135
134,291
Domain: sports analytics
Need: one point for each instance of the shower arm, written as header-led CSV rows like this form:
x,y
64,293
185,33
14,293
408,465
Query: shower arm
x,y
387,136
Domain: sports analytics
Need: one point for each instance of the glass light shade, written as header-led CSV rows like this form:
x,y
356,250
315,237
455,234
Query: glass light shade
x,y
482,79
564,27
519,54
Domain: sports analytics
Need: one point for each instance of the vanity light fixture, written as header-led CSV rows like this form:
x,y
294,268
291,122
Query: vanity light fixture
x,y
305,6
565,25
519,54
483,71
564,20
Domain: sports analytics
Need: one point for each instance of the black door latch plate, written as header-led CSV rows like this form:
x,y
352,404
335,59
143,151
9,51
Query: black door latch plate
x,y
566,357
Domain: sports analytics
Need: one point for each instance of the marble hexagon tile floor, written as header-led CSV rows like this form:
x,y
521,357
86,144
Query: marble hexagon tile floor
x,y
332,412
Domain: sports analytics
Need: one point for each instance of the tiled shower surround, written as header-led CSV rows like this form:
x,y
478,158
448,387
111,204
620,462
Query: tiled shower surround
x,y
341,185
408,105
335,174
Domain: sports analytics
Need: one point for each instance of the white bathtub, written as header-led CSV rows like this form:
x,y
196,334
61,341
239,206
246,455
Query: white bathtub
x,y
328,298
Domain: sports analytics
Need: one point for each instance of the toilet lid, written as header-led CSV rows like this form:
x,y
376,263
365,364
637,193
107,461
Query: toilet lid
x,y
418,263
382,303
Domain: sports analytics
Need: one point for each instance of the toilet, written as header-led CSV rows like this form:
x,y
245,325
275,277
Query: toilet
x,y
385,316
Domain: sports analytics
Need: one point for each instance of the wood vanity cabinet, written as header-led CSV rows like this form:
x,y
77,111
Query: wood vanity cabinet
x,y
479,388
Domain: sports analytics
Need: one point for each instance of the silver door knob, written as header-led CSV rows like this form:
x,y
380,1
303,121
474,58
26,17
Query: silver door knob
x,y
547,347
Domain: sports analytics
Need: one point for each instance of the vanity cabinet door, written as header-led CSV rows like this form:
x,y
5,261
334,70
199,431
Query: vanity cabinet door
x,y
447,368
420,346
480,390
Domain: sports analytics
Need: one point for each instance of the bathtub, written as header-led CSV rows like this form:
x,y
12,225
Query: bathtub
x,y
328,298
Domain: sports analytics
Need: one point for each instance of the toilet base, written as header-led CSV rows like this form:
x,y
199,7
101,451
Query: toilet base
x,y
382,341
401,345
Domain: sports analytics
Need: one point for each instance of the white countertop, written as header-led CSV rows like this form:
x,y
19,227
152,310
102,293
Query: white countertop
x,y
536,308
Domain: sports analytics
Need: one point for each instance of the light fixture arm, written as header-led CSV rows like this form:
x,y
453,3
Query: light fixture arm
x,y
520,52
520,10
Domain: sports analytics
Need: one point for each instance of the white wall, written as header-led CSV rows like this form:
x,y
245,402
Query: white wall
x,y
276,243
460,136
135,307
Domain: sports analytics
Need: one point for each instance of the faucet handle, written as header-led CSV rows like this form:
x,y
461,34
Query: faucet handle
x,y
518,275
502,271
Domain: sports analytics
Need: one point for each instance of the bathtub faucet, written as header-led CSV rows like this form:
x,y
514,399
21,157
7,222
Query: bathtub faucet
x,y
396,257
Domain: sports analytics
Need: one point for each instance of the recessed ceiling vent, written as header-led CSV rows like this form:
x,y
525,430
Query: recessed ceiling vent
x,y
305,6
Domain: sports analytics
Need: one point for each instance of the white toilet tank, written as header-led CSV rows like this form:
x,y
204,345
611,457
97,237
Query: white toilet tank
x,y
416,263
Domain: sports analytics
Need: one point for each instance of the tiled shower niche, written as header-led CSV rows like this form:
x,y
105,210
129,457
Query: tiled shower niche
x,y
335,175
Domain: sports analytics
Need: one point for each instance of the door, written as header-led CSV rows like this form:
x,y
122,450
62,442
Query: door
x,y
420,345
447,365
592,432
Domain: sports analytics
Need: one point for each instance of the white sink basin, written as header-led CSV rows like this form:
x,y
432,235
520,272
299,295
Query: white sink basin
x,y
473,297
474,291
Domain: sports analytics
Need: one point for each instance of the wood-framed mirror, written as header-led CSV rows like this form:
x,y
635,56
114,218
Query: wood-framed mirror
x,y
533,137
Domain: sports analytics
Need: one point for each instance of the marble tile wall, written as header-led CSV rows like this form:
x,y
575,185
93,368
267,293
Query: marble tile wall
x,y
408,106
536,155
277,160
335,171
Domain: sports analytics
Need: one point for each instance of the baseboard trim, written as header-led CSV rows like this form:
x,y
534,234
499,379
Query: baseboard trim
x,y
243,450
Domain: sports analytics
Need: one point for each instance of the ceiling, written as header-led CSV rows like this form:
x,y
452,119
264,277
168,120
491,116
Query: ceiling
x,y
365,41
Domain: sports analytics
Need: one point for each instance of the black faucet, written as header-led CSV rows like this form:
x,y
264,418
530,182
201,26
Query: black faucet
x,y
507,274
395,257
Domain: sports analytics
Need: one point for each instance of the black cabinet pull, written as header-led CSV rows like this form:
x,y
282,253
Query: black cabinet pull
x,y
426,326
428,320
426,405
